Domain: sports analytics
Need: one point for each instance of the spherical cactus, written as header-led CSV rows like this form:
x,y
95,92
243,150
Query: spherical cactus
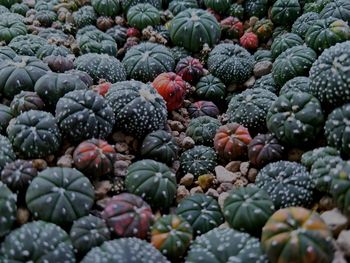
x,y
18,175
231,141
297,84
340,186
8,3
180,52
20,74
310,157
263,55
171,235
295,118
60,195
337,130
231,27
95,41
85,16
45,17
201,211
128,216
129,3
138,107
59,63
226,245
88,232
160,146
266,82
94,157
34,134
7,53
84,114
8,209
40,241
199,160
263,29
210,88
52,86
177,6
10,28
304,22
27,45
296,234
203,108
236,10
155,58
284,42
190,69
287,183
26,101
19,8
7,154
295,61
249,40
250,107
107,8
230,63
101,66
172,88
338,8
256,8
143,15
264,149
325,33
328,85
119,33
126,250
153,181
192,28
203,129
85,77
285,12
6,114
321,172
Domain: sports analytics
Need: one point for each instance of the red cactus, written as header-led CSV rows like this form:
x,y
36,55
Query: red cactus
x,y
203,108
249,41
232,28
102,88
133,32
190,69
172,88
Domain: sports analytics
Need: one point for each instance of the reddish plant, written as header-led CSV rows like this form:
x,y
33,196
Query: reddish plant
x,y
203,108
249,41
102,88
190,69
133,32
232,28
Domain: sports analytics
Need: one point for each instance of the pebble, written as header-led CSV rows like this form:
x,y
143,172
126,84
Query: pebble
x,y
326,203
233,166
249,83
252,173
65,161
196,190
225,176
225,187
262,68
122,147
181,193
335,220
187,143
241,182
22,216
244,167
187,180
343,242
121,168
39,164
205,181
212,192
176,126
221,199
102,188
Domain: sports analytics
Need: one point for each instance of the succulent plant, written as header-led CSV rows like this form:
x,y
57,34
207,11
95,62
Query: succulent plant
x,y
26,101
177,6
337,8
340,186
284,42
297,84
8,210
266,82
190,69
203,108
6,115
7,154
107,8
310,157
11,27
210,88
304,22
256,8
285,12
96,41
203,129
143,15
27,45
86,15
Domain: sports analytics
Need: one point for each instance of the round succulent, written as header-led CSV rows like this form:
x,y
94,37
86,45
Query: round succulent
x,y
8,210
119,33
287,183
328,75
6,115
230,63
59,63
26,101
127,215
202,108
94,157
84,114
263,55
48,50
179,52
256,8
126,4
177,6
337,8
264,149
337,130
321,172
53,34
85,77
199,160
126,250
107,8
250,107
88,232
141,16
96,41
85,16
20,8
44,5
60,195
8,3
304,22
7,154
231,28
160,146
295,61
27,45
171,235
53,86
263,29
11,27
222,245
325,33
284,42
192,28
340,186
236,10
285,12
203,129
34,134
37,241
297,84
138,107
295,118
210,88
310,157
147,60
266,82
201,211
101,66
231,141
45,17
189,69
153,181
20,74
220,6
7,53
18,175
315,6
296,234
